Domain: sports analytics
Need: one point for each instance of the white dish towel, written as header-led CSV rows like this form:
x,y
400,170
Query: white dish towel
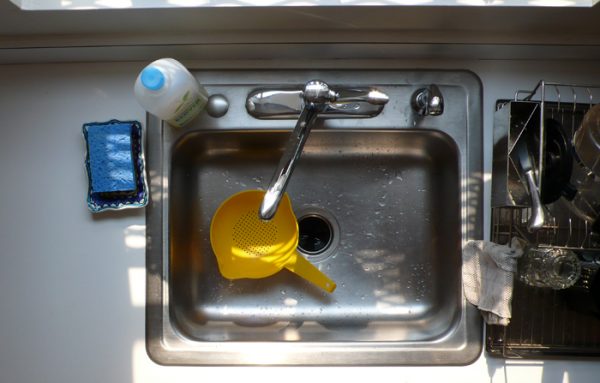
x,y
488,272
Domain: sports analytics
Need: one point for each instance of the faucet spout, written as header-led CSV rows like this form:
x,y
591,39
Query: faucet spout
x,y
316,96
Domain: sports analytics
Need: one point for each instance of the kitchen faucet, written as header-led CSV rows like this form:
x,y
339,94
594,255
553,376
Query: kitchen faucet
x,y
315,99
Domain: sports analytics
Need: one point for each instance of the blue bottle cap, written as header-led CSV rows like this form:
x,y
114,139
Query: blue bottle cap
x,y
152,78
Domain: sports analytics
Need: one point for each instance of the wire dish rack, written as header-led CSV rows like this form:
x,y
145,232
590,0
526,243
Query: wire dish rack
x,y
545,322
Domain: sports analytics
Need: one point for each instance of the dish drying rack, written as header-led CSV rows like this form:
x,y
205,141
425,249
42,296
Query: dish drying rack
x,y
543,322
567,103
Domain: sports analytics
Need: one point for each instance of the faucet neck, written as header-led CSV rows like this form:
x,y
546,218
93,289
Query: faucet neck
x,y
291,154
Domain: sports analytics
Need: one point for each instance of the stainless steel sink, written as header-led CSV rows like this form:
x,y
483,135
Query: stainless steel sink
x,y
385,205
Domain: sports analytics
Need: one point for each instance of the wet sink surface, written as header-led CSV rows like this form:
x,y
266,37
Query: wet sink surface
x,y
396,203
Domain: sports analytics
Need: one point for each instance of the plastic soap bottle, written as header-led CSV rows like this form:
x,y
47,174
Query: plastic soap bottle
x,y
168,90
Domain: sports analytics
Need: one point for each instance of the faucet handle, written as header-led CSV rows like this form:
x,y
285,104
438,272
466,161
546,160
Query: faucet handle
x,y
369,95
428,101
318,92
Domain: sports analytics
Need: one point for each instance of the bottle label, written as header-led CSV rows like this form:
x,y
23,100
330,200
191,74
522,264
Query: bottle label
x,y
190,106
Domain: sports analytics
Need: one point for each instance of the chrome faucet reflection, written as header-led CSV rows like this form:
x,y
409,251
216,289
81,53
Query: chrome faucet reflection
x,y
314,100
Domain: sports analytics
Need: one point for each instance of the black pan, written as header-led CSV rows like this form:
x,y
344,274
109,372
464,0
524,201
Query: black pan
x,y
558,160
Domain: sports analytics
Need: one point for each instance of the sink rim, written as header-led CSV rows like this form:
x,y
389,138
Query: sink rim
x,y
165,345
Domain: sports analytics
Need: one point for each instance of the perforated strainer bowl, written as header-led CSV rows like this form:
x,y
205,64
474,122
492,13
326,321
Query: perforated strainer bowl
x,y
249,247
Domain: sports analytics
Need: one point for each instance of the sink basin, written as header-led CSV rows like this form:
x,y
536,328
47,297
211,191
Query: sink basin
x,y
384,206
391,200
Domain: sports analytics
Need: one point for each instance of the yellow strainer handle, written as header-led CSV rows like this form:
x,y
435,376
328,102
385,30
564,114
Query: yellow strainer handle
x,y
299,265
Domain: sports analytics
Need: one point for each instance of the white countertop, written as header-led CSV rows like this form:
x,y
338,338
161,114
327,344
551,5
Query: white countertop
x,y
72,283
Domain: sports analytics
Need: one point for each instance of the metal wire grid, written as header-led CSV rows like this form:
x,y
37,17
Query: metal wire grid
x,y
543,323
582,93
568,104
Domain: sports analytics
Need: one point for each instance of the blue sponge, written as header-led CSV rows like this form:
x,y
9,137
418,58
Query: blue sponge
x,y
115,165
111,165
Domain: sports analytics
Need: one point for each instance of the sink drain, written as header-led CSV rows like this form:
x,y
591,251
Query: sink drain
x,y
319,233
316,234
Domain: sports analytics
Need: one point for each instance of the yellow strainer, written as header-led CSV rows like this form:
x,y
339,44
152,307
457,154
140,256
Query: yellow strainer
x,y
249,247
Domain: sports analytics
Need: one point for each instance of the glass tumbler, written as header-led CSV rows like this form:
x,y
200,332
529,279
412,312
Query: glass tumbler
x,y
547,267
